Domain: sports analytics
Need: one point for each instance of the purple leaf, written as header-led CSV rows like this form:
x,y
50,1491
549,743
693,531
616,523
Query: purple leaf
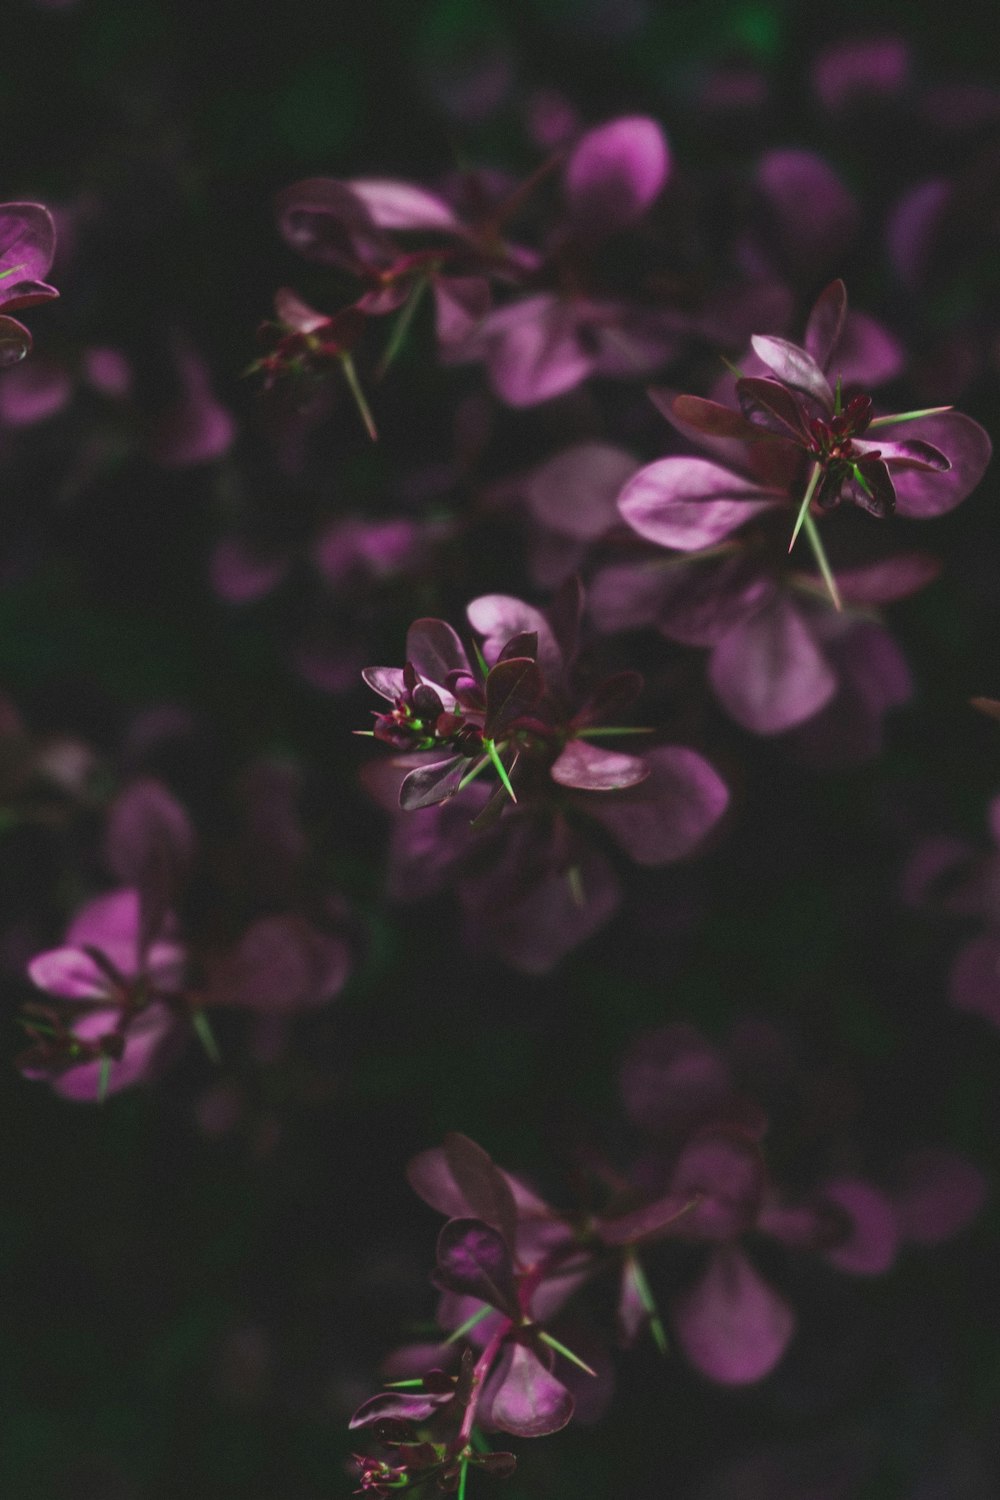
x,y
513,687
326,221
524,644
574,493
974,983
615,172
714,419
667,815
939,1195
794,367
429,784
769,673
689,503
884,582
731,1324
386,681
482,1185
869,1246
34,392
770,407
533,350
473,1259
27,245
591,768
702,601
523,1398
826,323
435,649
281,965
15,342
149,844
460,305
430,1176
672,1079
913,227
815,215
499,617
911,454
868,354
70,974
398,1406
401,205
918,494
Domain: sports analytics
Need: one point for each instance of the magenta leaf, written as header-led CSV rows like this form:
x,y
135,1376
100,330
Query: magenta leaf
x,y
523,644
939,1195
591,768
525,1399
474,1260
920,494
386,681
574,493
533,350
27,245
731,1324
15,342
397,1406
668,814
513,687
429,784
794,367
326,221
868,1245
826,323
770,407
648,1222
435,649
401,205
769,673
481,1184
615,172
713,419
690,503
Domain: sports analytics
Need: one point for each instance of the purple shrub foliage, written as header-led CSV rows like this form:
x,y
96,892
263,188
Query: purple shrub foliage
x,y
677,766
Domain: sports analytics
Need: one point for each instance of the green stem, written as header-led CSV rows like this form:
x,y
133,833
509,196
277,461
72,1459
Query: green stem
x,y
354,385
819,552
806,502
462,1477
402,327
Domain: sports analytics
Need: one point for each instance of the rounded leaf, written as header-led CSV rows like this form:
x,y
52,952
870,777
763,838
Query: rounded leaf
x,y
690,503
615,172
731,1324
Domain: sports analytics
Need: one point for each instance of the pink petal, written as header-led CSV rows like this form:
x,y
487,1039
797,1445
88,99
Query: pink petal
x,y
145,1040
